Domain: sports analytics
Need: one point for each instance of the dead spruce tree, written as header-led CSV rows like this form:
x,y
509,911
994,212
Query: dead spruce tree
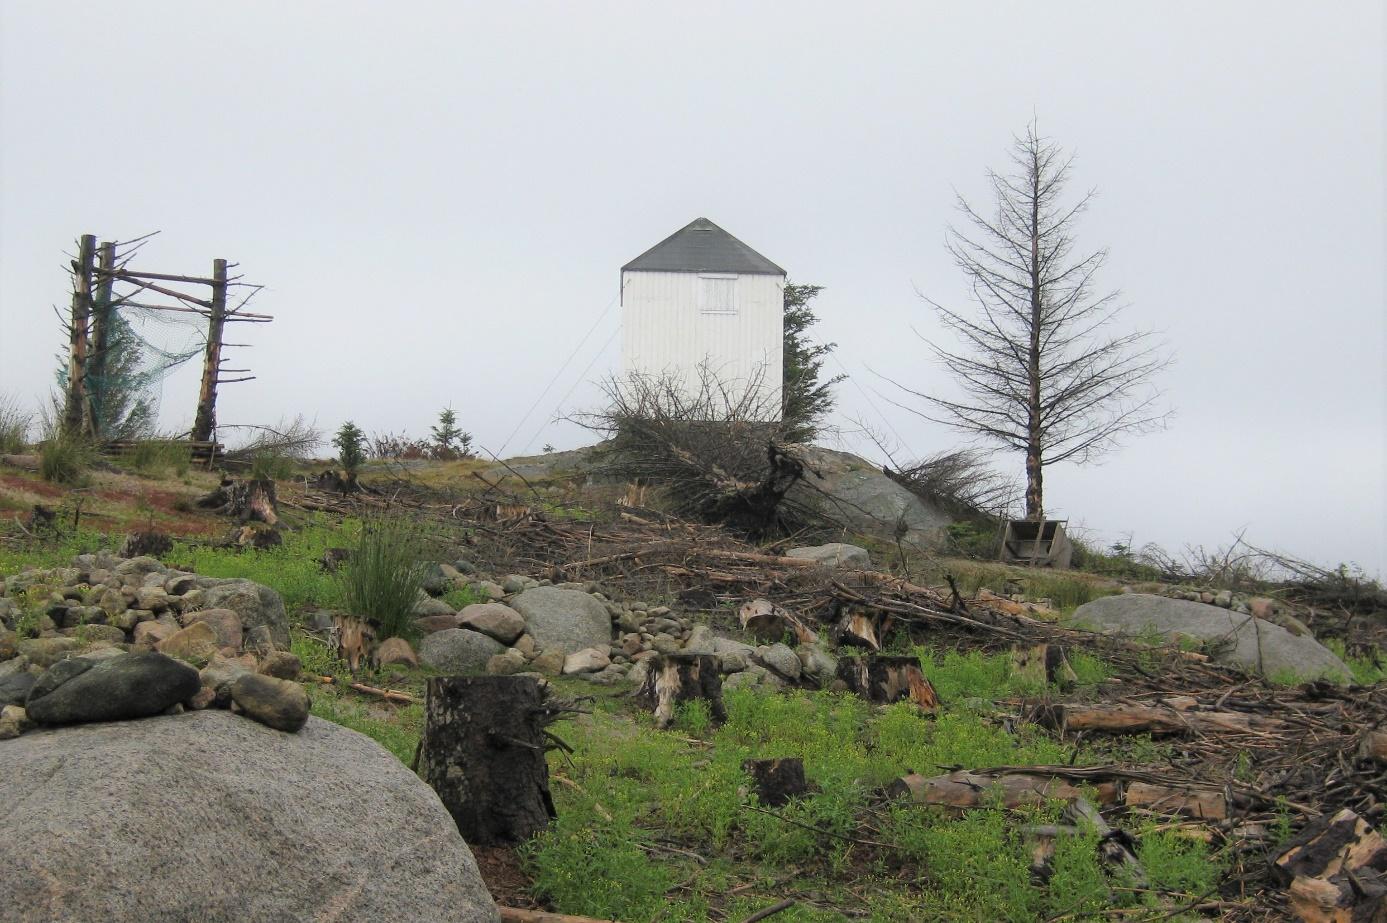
x,y
1041,367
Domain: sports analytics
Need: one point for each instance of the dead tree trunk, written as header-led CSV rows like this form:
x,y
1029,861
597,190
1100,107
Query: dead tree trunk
x,y
103,315
777,781
1153,719
963,789
75,407
1044,665
205,423
884,680
675,678
483,753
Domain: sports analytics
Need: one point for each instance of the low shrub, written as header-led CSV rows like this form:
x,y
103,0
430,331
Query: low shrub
x,y
14,425
158,457
64,459
385,575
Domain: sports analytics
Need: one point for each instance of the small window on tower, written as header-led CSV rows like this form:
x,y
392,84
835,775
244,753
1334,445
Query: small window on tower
x,y
717,293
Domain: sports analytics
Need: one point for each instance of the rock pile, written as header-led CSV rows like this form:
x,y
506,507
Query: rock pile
x,y
109,639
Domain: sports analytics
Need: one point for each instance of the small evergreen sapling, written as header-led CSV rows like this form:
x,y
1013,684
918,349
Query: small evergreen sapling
x,y
351,449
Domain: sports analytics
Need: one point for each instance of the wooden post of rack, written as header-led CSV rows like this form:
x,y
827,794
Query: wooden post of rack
x,y
75,406
206,421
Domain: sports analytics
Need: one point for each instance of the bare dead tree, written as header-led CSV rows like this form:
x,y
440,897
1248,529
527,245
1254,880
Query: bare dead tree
x,y
1041,368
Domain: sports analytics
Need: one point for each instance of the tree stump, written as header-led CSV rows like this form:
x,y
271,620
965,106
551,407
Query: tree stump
x,y
777,781
859,626
483,753
1044,665
675,678
884,680
246,501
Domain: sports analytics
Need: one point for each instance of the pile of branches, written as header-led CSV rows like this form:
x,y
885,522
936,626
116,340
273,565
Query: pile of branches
x,y
961,482
717,450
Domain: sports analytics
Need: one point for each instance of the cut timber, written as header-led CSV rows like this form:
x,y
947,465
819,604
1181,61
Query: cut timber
x,y
767,622
859,626
964,789
247,501
1339,900
777,781
1331,845
884,680
1153,719
1373,747
1165,799
675,678
1043,665
483,753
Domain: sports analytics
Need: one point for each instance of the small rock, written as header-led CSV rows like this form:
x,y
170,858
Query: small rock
x,y
525,644
1261,607
436,582
153,598
732,661
13,722
494,620
464,566
395,650
46,651
1224,599
14,688
817,664
112,601
780,659
281,665
431,623
203,698
506,663
225,624
743,680
219,675
549,663
513,583
260,640
833,554
197,642
427,606
150,634
90,634
281,704
699,641
458,651
588,660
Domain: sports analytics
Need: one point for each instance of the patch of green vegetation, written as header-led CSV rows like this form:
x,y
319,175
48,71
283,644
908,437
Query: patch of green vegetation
x,y
290,568
315,655
1066,590
64,459
161,457
462,597
397,730
15,422
1368,669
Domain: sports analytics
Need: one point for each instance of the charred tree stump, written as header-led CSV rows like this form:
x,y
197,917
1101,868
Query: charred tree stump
x,y
483,753
768,623
777,781
859,626
246,501
1044,665
146,542
675,678
884,680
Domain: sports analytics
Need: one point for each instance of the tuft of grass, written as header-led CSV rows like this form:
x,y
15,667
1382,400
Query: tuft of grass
x,y
64,459
383,579
160,457
15,423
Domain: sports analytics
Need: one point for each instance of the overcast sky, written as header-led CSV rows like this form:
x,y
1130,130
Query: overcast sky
x,y
439,198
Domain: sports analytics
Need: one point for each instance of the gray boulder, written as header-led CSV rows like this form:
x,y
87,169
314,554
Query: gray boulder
x,y
111,689
279,703
262,827
834,554
14,688
567,620
780,660
458,651
1233,637
255,604
857,494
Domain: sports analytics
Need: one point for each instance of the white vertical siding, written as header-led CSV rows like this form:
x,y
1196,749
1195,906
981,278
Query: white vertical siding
x,y
665,332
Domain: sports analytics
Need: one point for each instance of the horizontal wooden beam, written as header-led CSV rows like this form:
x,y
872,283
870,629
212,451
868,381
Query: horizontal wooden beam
x,y
160,276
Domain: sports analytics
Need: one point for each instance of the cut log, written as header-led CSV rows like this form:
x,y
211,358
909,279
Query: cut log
x,y
675,678
1361,899
884,680
1165,799
1043,665
483,753
768,623
859,626
1329,846
964,789
520,915
776,782
1154,719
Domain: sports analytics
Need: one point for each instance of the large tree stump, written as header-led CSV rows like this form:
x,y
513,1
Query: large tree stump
x,y
859,626
246,501
483,753
1043,665
675,678
768,623
777,781
888,679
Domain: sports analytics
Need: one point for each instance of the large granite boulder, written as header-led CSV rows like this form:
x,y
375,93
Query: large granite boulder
x,y
856,493
566,620
113,688
1232,637
246,824
254,603
458,651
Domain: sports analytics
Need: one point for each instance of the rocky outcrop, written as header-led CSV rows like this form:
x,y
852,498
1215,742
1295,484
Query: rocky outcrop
x,y
252,825
1231,637
458,651
855,493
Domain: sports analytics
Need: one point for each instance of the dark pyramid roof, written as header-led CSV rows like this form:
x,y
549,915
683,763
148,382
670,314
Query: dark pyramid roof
x,y
702,246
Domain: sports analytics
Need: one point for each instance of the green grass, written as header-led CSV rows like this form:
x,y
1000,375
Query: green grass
x,y
383,579
397,729
161,457
1368,670
1067,590
64,459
